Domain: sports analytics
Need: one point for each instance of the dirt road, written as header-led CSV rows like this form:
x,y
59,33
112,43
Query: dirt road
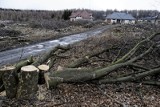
x,y
14,55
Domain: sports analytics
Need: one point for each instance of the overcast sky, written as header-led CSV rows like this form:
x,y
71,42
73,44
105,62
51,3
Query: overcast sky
x,y
89,4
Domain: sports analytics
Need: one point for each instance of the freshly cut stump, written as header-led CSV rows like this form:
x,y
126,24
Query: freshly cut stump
x,y
28,81
9,81
42,70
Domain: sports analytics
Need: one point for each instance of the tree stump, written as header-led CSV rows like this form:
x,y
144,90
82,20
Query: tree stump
x,y
42,70
9,81
1,82
1,86
28,81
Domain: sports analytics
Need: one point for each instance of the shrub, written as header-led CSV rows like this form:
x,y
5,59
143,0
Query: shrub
x,y
49,24
5,32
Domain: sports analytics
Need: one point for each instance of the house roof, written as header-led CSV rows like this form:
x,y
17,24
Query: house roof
x,y
84,14
118,15
150,18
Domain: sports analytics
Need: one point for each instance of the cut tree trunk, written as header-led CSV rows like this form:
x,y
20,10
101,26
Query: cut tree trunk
x,y
10,82
42,70
28,81
23,63
43,59
75,75
68,75
83,75
86,58
131,78
16,70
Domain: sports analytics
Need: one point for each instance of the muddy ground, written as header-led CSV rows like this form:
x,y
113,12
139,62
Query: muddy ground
x,y
93,95
19,34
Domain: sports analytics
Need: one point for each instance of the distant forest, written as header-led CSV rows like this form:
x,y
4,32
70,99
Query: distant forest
x,y
31,15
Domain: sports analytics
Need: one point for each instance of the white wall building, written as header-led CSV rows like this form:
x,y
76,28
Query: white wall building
x,y
120,18
81,15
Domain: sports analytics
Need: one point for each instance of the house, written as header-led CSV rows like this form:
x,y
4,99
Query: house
x,y
148,19
120,18
152,20
157,21
81,15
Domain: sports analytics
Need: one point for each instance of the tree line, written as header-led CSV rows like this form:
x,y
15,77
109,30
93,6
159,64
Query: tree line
x,y
30,15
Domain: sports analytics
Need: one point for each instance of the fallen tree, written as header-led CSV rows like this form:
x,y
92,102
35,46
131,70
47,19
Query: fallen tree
x,y
73,73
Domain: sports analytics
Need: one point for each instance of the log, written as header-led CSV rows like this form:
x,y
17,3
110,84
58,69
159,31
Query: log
x,y
28,81
44,58
156,83
23,63
131,78
51,62
86,58
68,75
75,75
83,75
10,82
42,70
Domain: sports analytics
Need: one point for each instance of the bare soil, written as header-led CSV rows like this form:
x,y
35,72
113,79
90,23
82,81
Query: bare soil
x,y
94,95
16,34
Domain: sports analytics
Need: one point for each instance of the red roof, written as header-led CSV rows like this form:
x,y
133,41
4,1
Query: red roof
x,y
84,14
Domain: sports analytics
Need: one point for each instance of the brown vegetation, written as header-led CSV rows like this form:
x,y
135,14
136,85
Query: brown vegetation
x,y
112,59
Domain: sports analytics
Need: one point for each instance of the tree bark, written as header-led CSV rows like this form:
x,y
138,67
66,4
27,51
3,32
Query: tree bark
x,y
78,75
1,82
44,58
16,70
131,78
82,75
28,81
42,70
23,63
68,75
10,82
86,58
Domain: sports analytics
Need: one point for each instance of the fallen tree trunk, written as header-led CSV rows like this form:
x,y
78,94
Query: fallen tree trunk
x,y
23,63
79,75
131,78
156,83
83,75
68,75
86,58
44,58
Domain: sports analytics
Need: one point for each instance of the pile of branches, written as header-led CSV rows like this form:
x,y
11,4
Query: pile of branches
x,y
21,80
